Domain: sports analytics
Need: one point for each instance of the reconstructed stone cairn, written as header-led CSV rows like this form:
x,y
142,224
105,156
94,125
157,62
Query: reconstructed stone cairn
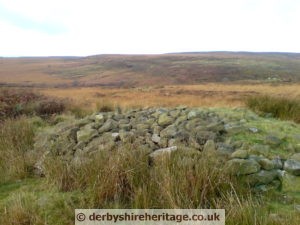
x,y
165,130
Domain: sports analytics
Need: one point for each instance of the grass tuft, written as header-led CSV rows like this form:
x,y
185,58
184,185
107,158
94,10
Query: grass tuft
x,y
124,177
279,107
16,143
105,106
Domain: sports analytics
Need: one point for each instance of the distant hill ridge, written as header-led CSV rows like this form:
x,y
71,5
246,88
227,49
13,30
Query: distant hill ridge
x,y
141,70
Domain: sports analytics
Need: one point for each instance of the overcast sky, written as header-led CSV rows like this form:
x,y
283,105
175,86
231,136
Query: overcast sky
x,y
88,27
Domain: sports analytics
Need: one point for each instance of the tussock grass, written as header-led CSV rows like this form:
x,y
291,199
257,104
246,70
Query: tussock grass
x,y
30,208
279,107
16,143
81,110
124,177
78,110
105,106
22,210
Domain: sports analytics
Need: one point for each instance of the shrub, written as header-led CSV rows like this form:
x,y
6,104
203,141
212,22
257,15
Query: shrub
x,y
49,107
279,107
16,102
12,101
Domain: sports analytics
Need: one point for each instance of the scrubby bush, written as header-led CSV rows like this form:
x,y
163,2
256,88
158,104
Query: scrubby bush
x,y
49,107
279,107
16,102
13,102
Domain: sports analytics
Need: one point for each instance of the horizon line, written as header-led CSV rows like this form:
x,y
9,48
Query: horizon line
x,y
144,54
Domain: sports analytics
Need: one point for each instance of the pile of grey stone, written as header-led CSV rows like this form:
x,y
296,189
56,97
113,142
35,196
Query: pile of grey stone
x,y
164,130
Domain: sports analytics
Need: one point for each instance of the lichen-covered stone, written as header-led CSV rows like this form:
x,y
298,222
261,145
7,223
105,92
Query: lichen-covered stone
x,y
99,118
292,166
163,151
193,114
169,131
216,127
86,133
203,136
259,149
273,140
180,119
241,154
165,120
266,164
155,138
243,166
175,113
142,126
125,127
109,125
277,163
262,177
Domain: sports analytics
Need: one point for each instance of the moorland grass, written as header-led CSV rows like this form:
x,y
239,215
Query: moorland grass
x,y
124,177
202,95
121,178
280,107
16,144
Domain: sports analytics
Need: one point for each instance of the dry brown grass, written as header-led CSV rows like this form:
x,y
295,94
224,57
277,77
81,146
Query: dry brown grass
x,y
209,95
28,71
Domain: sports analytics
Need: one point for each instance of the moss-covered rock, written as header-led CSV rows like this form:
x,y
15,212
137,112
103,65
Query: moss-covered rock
x,y
240,154
243,166
292,166
262,177
165,120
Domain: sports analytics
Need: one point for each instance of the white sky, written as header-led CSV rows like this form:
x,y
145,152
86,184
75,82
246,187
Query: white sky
x,y
87,27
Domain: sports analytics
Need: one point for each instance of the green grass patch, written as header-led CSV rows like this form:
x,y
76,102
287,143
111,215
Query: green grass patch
x,y
287,131
13,186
